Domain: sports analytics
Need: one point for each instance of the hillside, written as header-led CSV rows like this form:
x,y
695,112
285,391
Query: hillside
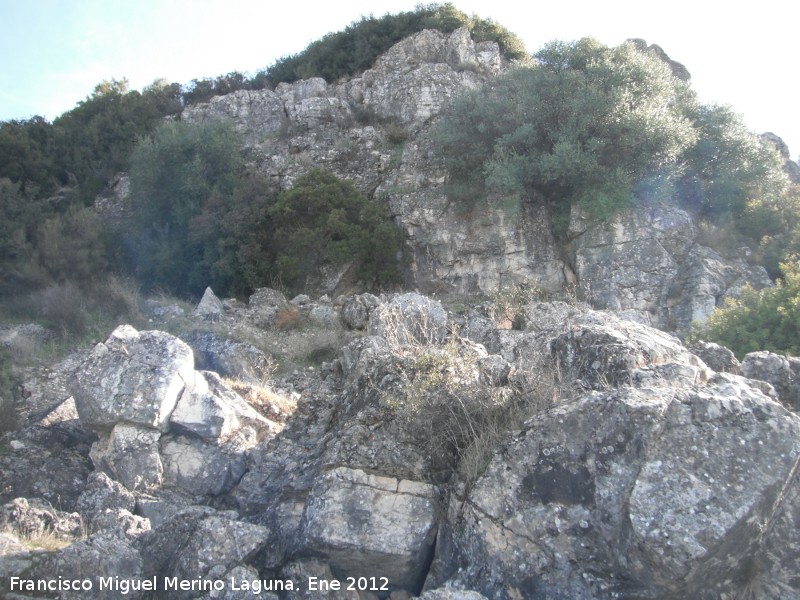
x,y
526,423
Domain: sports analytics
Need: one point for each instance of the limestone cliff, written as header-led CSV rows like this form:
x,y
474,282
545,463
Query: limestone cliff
x,y
375,130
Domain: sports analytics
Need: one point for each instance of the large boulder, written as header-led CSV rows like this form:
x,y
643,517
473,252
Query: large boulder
x,y
368,524
654,492
134,378
409,319
782,372
192,431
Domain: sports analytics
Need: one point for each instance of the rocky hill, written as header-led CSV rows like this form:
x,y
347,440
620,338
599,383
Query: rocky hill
x,y
505,449
432,453
375,130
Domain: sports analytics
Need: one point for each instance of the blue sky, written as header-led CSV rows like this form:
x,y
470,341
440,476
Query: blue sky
x,y
55,51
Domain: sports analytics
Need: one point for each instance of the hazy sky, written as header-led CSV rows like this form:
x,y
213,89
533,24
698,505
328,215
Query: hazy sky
x,y
55,51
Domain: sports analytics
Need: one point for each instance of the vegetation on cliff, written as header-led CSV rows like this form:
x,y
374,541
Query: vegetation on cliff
x,y
203,219
767,319
353,50
601,128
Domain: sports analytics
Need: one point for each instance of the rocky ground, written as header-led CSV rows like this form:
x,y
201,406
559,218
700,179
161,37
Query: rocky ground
x,y
408,450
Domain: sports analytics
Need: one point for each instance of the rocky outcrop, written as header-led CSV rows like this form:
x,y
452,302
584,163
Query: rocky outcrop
x,y
580,455
782,372
160,421
375,129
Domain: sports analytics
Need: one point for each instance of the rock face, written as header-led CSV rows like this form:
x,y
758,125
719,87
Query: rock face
x,y
375,129
782,372
368,524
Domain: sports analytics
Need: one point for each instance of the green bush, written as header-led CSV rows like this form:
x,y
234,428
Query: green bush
x,y
588,124
728,166
767,319
355,49
174,174
324,221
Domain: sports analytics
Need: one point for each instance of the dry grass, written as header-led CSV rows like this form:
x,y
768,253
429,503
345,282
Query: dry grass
x,y
457,416
271,404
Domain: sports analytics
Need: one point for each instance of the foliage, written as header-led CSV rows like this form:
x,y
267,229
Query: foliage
x,y
174,173
728,166
324,221
773,226
457,415
588,124
355,49
8,414
767,319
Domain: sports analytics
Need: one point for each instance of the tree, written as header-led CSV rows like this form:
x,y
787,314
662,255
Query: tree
x,y
728,167
587,124
767,319
174,173
323,221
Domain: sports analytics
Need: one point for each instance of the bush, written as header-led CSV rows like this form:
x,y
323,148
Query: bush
x,y
767,319
588,125
456,416
324,221
728,166
349,52
174,174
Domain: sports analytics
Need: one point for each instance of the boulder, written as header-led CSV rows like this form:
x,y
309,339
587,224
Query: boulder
x,y
368,524
103,493
409,319
107,554
356,310
210,307
656,492
264,306
782,372
229,358
134,378
717,357
130,454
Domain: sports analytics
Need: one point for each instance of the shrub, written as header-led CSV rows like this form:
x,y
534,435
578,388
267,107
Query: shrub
x,y
355,49
588,124
767,319
174,175
456,416
323,221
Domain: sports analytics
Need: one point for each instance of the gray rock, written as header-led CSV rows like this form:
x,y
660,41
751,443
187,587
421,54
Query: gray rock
x,y
134,378
229,358
633,486
103,493
210,410
367,524
219,544
203,469
324,315
106,554
356,310
716,357
601,350
264,306
783,372
31,519
130,454
409,319
302,570
210,307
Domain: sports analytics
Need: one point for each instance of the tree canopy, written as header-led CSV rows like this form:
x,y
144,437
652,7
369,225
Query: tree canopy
x,y
600,127
584,125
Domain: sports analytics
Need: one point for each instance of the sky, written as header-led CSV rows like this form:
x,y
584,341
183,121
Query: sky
x,y
54,52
